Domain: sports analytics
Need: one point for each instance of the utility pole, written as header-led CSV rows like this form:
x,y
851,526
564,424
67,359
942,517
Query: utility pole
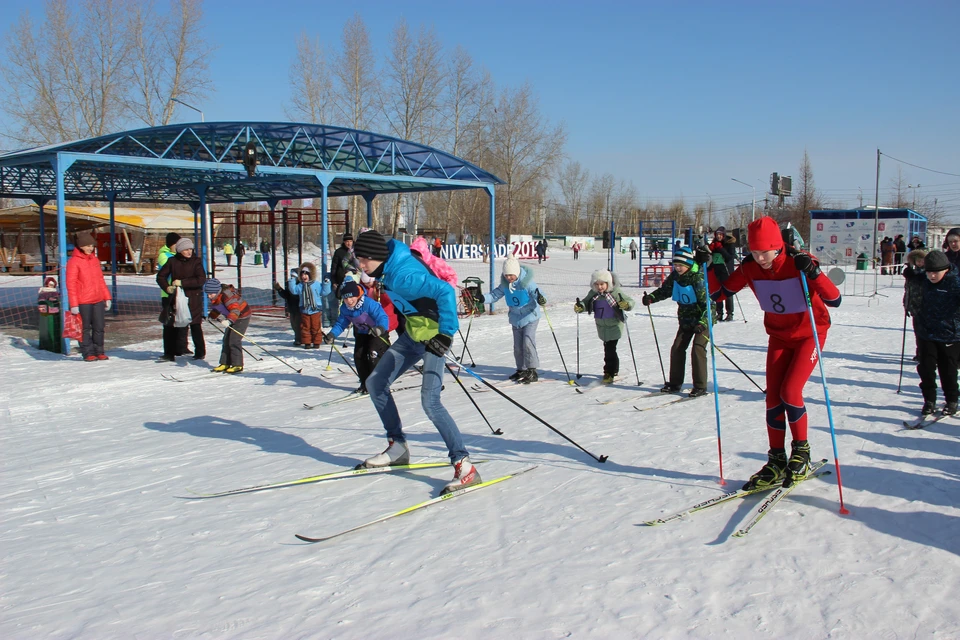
x,y
753,215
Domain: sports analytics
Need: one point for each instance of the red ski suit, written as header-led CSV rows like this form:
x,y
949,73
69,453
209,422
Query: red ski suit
x,y
791,354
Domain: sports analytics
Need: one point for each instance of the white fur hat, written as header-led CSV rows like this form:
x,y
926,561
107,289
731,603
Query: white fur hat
x,y
511,266
602,275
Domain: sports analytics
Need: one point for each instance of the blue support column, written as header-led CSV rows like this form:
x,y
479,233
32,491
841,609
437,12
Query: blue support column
x,y
59,167
324,181
42,202
491,191
202,247
112,197
368,197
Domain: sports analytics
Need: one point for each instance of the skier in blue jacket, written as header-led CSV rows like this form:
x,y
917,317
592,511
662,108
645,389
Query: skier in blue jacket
x,y
370,328
430,307
523,301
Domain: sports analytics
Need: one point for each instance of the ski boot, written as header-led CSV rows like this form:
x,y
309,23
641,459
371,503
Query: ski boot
x,y
696,392
220,368
799,463
729,317
396,453
950,408
929,408
529,375
670,388
464,475
234,369
771,474
607,378
516,375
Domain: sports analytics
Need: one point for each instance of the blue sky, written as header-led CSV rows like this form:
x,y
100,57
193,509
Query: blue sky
x,y
677,97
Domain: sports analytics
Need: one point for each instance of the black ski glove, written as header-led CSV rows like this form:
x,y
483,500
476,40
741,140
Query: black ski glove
x,y
540,299
646,300
328,338
702,256
803,262
438,344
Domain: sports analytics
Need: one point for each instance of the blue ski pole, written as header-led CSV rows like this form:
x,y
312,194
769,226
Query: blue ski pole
x,y
713,361
826,393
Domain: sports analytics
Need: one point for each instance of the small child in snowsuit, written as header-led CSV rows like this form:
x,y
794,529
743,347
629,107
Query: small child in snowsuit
x,y
685,286
292,302
523,301
913,291
607,303
370,329
234,314
938,331
311,292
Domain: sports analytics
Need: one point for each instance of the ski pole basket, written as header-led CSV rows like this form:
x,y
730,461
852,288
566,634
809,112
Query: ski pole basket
x,y
473,286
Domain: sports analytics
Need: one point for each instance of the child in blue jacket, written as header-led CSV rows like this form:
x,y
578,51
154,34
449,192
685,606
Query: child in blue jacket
x,y
311,292
370,330
523,301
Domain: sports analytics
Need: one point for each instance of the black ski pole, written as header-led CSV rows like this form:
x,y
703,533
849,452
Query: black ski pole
x,y
527,411
630,343
762,390
556,342
579,375
345,359
330,357
496,432
903,349
469,326
265,351
737,298
657,342
241,346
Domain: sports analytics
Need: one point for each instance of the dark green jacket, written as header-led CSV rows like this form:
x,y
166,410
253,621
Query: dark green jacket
x,y
689,315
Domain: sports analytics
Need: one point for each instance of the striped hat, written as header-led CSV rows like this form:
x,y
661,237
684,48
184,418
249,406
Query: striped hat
x,y
683,255
211,286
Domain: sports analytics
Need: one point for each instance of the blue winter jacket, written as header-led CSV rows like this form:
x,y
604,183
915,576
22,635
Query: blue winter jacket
x,y
428,303
939,318
320,289
521,297
365,316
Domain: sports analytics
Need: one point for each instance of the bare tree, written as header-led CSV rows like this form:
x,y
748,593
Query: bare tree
x,y
410,97
355,78
169,59
310,83
806,198
898,191
524,148
573,181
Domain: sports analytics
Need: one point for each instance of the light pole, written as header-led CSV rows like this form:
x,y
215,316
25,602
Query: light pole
x,y
914,187
189,106
753,216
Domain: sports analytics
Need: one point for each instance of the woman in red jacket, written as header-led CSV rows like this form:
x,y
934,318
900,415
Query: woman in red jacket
x,y
773,273
88,295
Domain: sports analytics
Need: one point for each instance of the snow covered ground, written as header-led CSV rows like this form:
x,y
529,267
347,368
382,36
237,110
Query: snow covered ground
x,y
100,538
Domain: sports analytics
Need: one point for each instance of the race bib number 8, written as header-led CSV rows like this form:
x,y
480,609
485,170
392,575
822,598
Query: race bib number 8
x,y
780,296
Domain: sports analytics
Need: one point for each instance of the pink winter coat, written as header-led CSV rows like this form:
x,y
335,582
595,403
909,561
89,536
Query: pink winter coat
x,y
85,284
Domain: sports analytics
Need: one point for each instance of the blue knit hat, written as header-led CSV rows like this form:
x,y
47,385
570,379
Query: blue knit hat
x,y
211,286
683,255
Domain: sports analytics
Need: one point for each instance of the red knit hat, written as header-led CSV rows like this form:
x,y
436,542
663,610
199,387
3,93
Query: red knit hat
x,y
764,235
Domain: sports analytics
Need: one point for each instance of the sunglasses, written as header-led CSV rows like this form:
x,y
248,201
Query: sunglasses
x,y
305,273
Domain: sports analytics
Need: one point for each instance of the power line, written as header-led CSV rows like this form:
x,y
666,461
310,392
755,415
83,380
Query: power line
x,y
957,175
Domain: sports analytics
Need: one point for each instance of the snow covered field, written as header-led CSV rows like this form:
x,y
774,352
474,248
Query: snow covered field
x,y
99,541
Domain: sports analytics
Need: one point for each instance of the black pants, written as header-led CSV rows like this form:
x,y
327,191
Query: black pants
x,y
367,350
196,333
92,316
231,351
698,357
611,361
171,335
294,325
633,254
942,358
721,272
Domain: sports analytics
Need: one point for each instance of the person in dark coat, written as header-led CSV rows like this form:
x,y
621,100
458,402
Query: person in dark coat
x,y
240,251
938,331
342,263
722,264
185,270
900,252
951,246
916,243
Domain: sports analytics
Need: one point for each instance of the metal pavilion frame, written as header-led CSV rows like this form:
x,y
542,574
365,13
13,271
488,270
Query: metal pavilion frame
x,y
200,163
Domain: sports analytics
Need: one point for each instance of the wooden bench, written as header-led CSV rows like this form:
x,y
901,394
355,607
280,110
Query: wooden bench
x,y
148,253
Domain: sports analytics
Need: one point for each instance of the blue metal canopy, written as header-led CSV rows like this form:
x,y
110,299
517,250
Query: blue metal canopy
x,y
174,163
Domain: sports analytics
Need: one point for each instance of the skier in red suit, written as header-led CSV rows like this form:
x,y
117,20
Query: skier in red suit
x,y
773,274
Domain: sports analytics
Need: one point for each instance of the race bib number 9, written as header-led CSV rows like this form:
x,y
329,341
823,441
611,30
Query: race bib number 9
x,y
780,296
517,298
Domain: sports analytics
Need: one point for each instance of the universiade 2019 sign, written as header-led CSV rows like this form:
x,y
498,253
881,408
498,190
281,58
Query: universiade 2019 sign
x,y
476,251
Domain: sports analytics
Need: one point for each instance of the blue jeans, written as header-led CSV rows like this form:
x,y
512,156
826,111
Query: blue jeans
x,y
403,354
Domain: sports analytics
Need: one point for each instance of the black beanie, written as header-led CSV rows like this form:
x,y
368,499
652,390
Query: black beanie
x,y
172,238
936,261
349,289
371,245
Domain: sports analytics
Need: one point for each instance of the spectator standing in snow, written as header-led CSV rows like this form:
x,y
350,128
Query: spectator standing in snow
x,y
88,295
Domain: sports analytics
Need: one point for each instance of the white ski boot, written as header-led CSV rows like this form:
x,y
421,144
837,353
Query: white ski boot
x,y
464,475
395,454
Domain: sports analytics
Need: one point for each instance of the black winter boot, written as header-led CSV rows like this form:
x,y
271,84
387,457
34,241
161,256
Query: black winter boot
x,y
516,375
950,408
530,375
770,474
929,408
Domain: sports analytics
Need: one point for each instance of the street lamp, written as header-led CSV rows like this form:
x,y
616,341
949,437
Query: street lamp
x,y
753,216
189,106
914,187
